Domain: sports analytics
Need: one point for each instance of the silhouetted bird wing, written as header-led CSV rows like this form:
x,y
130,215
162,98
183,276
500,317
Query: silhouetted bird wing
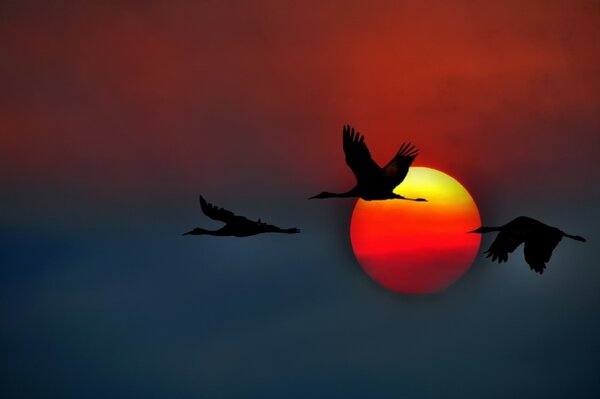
x,y
538,250
506,242
221,214
358,157
397,168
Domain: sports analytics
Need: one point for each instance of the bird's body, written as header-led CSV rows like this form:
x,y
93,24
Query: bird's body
x,y
539,238
372,181
236,226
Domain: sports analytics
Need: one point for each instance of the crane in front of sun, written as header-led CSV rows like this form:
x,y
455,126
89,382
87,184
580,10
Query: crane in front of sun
x,y
372,181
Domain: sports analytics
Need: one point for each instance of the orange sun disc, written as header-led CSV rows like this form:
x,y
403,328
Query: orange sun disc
x,y
417,247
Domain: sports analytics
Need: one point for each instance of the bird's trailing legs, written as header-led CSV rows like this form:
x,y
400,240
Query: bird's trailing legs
x,y
411,199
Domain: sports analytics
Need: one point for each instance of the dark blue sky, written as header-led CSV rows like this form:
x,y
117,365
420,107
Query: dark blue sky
x,y
129,308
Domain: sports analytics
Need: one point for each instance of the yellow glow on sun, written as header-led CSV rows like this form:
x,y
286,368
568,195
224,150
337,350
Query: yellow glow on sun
x,y
434,185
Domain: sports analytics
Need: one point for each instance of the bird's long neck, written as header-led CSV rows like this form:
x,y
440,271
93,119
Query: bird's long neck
x,y
485,229
199,231
326,194
576,238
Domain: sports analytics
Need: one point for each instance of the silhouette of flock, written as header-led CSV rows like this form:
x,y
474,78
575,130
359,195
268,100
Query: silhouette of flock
x,y
376,183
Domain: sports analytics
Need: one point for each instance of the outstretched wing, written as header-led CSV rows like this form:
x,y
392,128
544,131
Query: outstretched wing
x,y
358,157
538,250
217,213
395,171
506,242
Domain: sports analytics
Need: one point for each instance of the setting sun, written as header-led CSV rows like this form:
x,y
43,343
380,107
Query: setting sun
x,y
417,247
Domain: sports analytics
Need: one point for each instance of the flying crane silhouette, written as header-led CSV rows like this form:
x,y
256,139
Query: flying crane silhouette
x,y
237,226
539,238
372,181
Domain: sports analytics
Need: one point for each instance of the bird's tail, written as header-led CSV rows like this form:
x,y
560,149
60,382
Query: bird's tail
x,y
576,238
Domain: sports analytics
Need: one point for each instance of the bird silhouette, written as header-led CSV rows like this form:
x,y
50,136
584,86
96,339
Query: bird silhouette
x,y
539,238
235,225
372,181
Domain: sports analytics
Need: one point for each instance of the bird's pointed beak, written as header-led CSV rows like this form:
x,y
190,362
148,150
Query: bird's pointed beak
x,y
189,232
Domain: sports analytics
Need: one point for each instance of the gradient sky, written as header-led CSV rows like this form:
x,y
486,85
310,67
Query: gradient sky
x,y
115,115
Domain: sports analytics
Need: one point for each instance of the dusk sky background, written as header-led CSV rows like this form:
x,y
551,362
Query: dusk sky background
x,y
116,115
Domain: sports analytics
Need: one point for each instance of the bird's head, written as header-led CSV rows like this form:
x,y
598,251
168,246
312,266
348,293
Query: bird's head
x,y
481,230
196,232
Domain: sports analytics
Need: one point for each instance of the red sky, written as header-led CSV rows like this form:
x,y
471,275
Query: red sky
x,y
219,94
